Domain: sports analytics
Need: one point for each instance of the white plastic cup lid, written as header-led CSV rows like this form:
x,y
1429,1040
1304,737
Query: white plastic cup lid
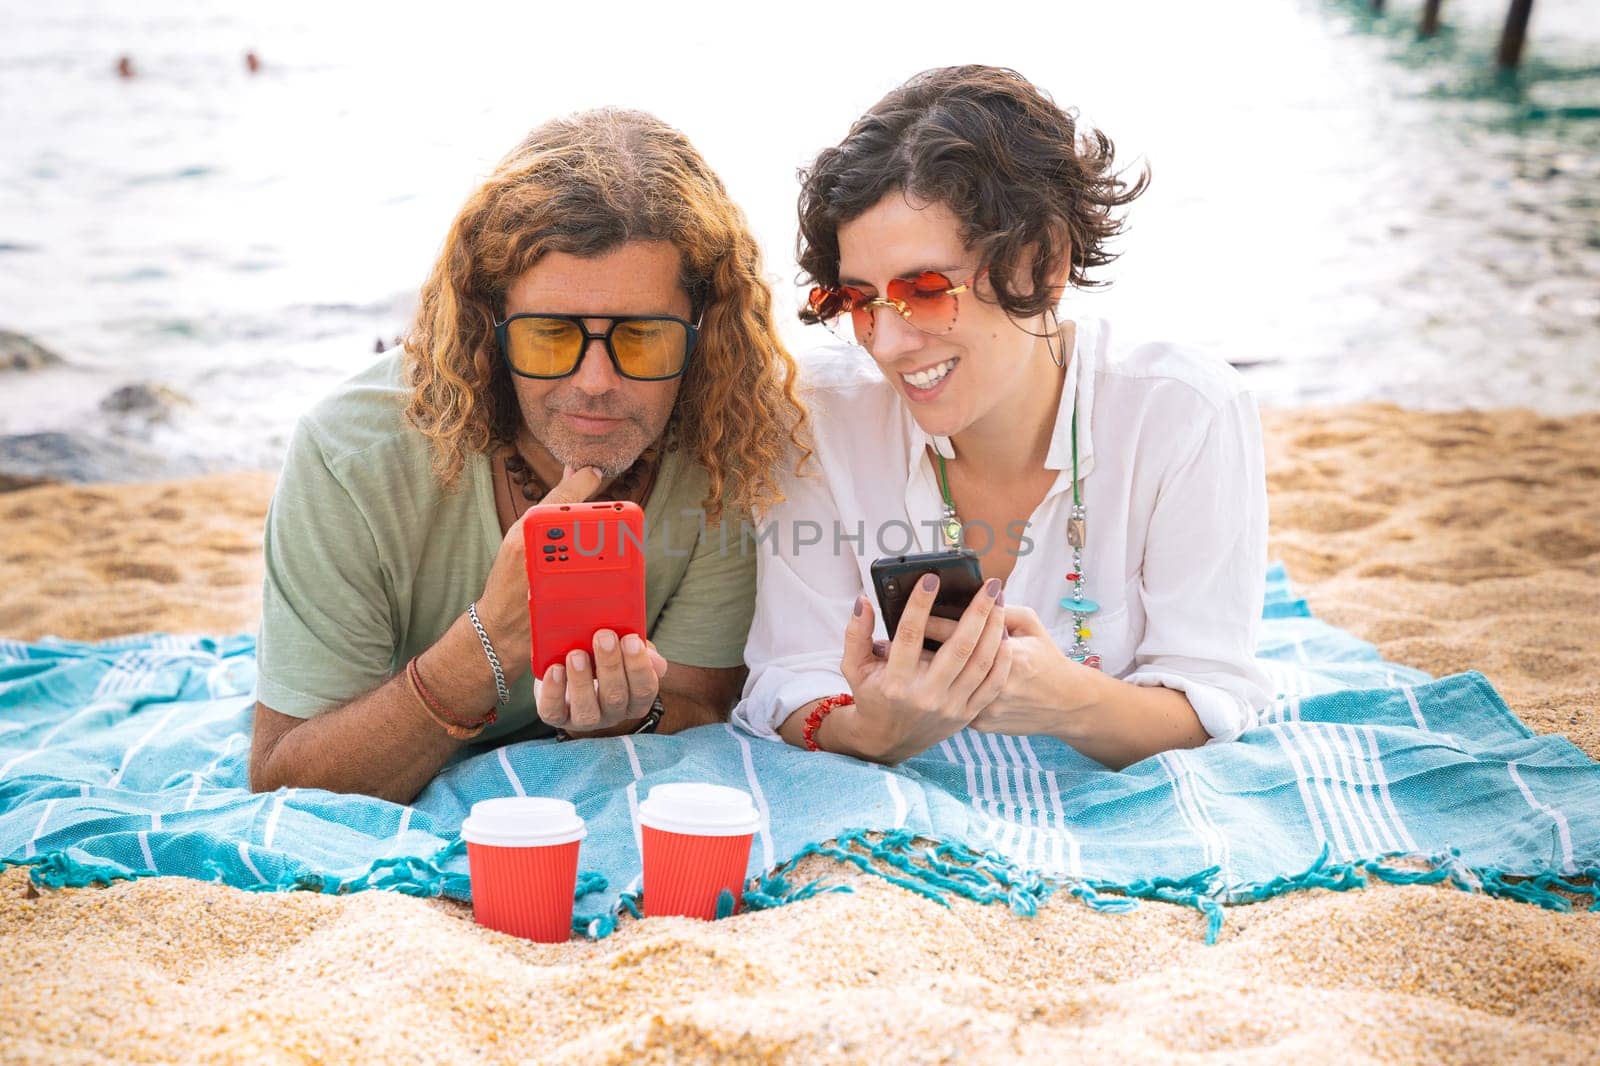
x,y
523,822
699,809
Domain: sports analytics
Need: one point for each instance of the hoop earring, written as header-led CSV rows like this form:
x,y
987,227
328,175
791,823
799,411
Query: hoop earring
x,y
1056,356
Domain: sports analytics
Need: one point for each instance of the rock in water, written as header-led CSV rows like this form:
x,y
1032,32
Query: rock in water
x,y
13,482
31,458
18,352
144,398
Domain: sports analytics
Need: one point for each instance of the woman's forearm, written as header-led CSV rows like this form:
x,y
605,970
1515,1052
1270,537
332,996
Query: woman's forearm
x,y
835,734
1117,723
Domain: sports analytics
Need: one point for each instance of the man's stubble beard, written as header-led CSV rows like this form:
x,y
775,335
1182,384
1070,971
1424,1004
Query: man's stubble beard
x,y
612,455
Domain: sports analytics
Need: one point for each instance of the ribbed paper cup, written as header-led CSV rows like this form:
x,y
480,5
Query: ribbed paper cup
x,y
522,855
696,841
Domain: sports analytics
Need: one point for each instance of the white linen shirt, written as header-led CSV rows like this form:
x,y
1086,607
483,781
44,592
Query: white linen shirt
x,y
1170,458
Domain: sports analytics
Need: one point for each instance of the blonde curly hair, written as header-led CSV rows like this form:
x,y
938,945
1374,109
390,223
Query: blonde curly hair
x,y
584,185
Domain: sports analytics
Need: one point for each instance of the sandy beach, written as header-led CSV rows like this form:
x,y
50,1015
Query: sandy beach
x,y
1453,541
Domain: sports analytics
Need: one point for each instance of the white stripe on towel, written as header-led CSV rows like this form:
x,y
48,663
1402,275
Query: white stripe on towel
x,y
901,808
1303,783
633,792
1342,778
244,853
1563,830
272,818
1343,835
1416,709
1074,859
1031,842
950,748
977,780
764,830
127,756
1032,802
94,707
201,775
1367,734
1044,786
1007,841
1366,787
511,775
1194,813
38,830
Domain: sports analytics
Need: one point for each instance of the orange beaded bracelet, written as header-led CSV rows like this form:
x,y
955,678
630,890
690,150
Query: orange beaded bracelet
x,y
818,713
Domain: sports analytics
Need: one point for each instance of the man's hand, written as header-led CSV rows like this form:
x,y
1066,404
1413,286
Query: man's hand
x,y
503,607
618,685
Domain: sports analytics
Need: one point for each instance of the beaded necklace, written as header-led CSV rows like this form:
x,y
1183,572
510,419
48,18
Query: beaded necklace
x,y
1077,530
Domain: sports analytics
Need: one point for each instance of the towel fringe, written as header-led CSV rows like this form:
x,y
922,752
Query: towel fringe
x,y
931,869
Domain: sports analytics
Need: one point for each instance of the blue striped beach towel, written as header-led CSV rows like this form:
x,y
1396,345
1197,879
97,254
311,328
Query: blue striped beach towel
x,y
128,758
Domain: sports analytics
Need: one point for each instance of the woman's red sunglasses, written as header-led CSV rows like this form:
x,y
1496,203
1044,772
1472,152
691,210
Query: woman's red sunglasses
x,y
927,301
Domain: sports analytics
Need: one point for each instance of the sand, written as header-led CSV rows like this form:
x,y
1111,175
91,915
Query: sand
x,y
1453,541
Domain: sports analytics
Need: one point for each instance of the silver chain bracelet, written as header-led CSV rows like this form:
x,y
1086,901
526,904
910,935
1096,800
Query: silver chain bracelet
x,y
488,649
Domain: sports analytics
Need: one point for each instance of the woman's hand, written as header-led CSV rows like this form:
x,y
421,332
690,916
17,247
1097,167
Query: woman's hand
x,y
1111,721
618,685
503,607
1037,695
909,700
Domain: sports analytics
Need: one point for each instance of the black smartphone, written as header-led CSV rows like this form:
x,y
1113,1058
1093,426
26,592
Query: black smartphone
x,y
895,577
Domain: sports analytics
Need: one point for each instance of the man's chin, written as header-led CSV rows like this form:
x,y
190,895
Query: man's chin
x,y
610,461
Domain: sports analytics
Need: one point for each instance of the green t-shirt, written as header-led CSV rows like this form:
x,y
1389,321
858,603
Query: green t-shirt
x,y
369,561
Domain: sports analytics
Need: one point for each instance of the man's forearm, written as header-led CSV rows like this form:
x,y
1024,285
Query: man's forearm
x,y
380,744
680,711
384,743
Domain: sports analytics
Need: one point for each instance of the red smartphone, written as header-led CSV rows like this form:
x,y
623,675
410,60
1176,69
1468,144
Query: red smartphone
x,y
585,574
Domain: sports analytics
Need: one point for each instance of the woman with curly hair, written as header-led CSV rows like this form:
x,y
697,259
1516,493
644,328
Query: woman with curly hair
x,y
1114,497
596,326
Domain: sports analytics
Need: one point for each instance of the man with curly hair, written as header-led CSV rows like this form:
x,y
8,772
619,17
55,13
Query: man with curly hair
x,y
596,327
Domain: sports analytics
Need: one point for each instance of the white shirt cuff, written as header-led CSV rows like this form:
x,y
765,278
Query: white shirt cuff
x,y
764,710
1223,714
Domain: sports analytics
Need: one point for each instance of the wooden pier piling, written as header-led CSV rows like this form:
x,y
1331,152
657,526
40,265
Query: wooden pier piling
x,y
1430,18
1516,32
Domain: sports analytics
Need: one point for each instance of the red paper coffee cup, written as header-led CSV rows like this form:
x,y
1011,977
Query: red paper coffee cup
x,y
696,842
522,856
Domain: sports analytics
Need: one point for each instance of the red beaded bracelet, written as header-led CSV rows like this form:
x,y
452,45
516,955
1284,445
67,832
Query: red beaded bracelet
x,y
818,713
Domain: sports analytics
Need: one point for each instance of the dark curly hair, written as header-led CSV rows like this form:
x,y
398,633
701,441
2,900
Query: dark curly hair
x,y
997,151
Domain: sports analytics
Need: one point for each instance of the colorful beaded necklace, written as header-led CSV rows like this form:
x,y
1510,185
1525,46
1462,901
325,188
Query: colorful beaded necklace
x,y
1077,530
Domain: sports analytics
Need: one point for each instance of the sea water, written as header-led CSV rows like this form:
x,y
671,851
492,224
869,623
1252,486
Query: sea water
x,y
1345,211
